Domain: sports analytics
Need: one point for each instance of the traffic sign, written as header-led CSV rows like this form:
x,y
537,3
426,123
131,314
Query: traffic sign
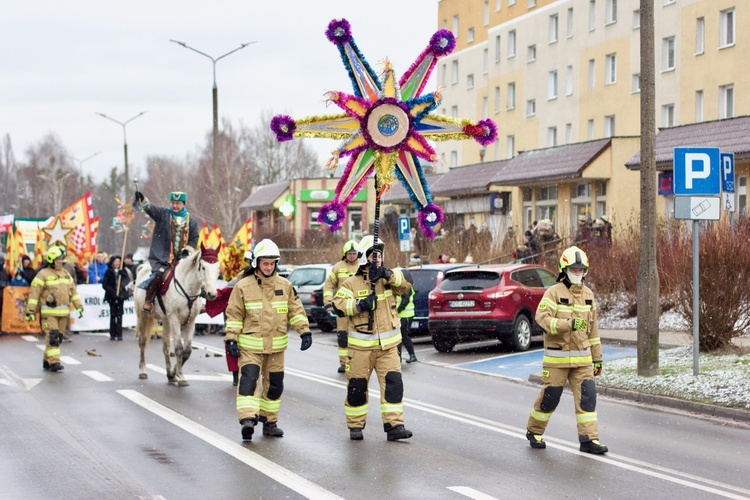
x,y
697,207
727,172
405,245
697,171
727,201
404,232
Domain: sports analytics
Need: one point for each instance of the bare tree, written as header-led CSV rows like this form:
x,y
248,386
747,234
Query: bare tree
x,y
48,182
9,201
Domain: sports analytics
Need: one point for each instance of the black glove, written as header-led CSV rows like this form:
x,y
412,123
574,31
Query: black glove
x,y
379,272
368,303
138,197
306,341
232,348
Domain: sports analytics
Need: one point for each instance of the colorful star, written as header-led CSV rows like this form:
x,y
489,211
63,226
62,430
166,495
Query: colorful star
x,y
385,127
57,234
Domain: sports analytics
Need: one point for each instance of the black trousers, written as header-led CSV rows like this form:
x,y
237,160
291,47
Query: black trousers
x,y
115,318
405,339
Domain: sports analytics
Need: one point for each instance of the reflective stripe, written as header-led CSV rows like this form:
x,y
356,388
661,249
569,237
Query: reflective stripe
x,y
373,339
556,353
280,342
281,306
391,408
553,326
271,406
408,311
59,311
255,304
345,293
564,309
538,415
32,302
595,341
385,295
550,303
37,282
234,324
75,298
343,352
569,360
399,277
582,308
355,411
586,417
297,318
52,351
250,342
327,294
248,403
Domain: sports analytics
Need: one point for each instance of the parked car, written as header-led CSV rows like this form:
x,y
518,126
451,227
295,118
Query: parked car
x,y
306,279
488,302
425,277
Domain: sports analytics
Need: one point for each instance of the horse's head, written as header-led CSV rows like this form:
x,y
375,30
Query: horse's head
x,y
208,270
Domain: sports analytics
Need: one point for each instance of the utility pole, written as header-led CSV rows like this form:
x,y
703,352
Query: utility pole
x,y
647,292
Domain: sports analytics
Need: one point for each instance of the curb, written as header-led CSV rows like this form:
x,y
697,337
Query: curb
x,y
665,401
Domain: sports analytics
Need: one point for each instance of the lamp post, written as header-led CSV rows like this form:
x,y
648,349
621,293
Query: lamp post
x,y
215,94
81,162
125,146
56,182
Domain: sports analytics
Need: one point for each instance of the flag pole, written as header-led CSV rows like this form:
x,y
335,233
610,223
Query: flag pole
x,y
122,258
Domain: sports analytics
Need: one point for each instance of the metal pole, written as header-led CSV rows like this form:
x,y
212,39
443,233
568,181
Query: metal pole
x,y
125,146
696,301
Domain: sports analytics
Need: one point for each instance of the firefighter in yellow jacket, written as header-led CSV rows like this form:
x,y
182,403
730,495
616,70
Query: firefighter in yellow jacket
x,y
572,353
55,288
342,270
261,308
374,336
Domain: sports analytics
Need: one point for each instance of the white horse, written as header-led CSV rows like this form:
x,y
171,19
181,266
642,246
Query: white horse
x,y
193,274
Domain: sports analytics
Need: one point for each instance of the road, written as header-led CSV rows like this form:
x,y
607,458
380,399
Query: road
x,y
97,431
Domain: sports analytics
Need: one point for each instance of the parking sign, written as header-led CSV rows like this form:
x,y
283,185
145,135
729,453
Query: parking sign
x,y
697,171
404,231
727,172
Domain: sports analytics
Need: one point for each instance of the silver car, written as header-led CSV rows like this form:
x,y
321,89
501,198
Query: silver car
x,y
306,279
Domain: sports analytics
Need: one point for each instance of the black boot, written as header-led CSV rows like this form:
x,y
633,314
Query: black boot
x,y
398,432
235,376
248,427
355,434
45,365
342,369
412,359
57,367
535,440
593,447
271,429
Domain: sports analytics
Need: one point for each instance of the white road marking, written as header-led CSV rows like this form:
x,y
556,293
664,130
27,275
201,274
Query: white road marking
x,y
13,380
306,488
67,360
470,492
29,338
98,376
638,466
219,377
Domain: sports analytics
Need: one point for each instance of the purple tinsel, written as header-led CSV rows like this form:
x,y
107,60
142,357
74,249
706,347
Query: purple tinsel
x,y
339,31
442,42
283,126
429,216
490,134
332,214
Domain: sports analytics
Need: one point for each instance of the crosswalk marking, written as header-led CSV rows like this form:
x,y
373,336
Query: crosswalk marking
x,y
98,376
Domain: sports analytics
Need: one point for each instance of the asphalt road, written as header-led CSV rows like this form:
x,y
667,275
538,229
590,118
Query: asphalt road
x,y
97,431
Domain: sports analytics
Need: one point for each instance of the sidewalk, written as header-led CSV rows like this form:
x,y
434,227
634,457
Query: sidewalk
x,y
666,339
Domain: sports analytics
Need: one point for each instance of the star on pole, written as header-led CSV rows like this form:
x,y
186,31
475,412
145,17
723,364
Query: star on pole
x,y
57,234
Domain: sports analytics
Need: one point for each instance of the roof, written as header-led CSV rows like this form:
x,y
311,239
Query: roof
x,y
731,135
550,164
264,197
468,180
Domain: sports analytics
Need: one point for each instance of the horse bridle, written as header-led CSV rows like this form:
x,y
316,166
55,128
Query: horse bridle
x,y
191,298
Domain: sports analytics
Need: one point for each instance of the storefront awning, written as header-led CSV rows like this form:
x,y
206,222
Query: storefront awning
x,y
265,196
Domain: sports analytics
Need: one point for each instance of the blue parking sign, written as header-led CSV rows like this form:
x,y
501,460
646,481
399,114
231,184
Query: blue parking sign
x,y
727,172
697,171
404,230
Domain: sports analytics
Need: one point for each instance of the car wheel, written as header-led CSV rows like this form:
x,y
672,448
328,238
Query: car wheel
x,y
325,327
521,339
443,345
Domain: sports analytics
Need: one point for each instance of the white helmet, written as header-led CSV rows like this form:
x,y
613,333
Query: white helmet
x,y
366,245
248,255
266,249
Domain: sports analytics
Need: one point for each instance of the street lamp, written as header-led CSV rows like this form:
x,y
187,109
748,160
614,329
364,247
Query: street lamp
x,y
125,144
56,186
215,100
81,162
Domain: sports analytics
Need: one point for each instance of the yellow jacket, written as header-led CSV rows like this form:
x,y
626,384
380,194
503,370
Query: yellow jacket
x,y
565,347
386,331
341,271
260,311
56,290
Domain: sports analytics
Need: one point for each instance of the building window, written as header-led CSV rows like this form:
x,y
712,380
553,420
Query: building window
x,y
531,53
635,83
511,2
590,129
498,48
552,85
530,107
546,203
511,96
610,69
498,5
531,4
592,15
592,74
569,80
485,106
469,81
454,72
726,101
470,35
667,115
511,44
510,146
742,195
700,35
486,13
454,158
698,105
551,137
554,26
568,133
485,61
497,100
611,12
444,75
669,2
609,126
667,54
454,111
454,26
569,24
636,19
601,198
726,27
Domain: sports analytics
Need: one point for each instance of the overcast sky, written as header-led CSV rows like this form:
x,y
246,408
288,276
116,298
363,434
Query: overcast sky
x,y
63,61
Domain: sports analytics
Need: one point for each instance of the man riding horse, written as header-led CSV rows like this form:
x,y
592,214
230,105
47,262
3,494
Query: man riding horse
x,y
175,236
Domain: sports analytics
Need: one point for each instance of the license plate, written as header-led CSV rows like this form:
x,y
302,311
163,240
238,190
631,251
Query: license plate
x,y
461,303
414,325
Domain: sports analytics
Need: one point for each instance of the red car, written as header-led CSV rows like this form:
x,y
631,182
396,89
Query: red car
x,y
488,302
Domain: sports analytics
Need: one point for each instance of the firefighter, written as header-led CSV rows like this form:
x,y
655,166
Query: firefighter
x,y
405,312
261,308
342,270
367,298
56,289
572,352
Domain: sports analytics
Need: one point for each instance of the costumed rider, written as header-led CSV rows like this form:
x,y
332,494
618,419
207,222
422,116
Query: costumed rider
x,y
261,308
175,236
56,289
367,298
341,271
572,352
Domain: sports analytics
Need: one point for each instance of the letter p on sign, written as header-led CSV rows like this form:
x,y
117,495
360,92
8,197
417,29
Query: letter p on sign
x,y
697,166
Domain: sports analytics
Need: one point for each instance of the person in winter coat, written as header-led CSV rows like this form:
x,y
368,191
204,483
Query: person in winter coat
x,y
117,289
572,353
97,269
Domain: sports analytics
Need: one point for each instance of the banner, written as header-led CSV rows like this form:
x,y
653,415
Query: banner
x,y
14,311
